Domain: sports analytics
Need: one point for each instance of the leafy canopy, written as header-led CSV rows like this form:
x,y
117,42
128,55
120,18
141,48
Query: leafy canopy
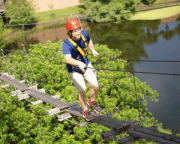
x,y
24,123
20,12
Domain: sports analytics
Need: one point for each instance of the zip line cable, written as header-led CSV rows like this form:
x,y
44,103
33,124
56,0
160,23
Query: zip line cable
x,y
136,95
87,18
141,72
143,60
138,72
115,58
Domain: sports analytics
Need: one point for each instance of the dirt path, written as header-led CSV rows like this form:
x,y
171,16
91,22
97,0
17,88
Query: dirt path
x,y
45,5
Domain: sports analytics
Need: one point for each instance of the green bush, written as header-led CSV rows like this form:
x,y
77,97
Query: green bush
x,y
24,123
111,10
148,1
20,12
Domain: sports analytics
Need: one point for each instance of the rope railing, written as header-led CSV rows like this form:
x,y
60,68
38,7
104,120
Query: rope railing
x,y
111,57
108,69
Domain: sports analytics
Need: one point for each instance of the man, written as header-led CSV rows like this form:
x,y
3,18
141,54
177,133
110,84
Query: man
x,y
78,65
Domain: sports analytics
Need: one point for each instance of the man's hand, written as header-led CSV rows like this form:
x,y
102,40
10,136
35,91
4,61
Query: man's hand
x,y
81,66
95,53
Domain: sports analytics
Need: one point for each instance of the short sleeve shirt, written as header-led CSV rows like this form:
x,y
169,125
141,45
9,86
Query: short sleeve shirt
x,y
68,48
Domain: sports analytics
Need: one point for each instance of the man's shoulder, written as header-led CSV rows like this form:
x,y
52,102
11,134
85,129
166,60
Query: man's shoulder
x,y
66,43
86,35
84,32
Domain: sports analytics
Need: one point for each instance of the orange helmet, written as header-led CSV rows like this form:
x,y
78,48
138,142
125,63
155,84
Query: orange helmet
x,y
72,23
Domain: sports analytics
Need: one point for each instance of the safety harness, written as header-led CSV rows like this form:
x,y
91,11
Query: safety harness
x,y
81,51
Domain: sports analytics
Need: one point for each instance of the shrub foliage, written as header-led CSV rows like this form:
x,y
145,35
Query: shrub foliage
x,y
23,123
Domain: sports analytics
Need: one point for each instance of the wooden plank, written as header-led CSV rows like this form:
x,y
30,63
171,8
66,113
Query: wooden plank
x,y
109,135
23,96
33,87
100,119
126,140
42,90
34,93
48,99
76,111
53,111
83,124
64,116
22,81
159,134
37,102
111,123
15,93
56,96
5,86
5,74
13,82
11,76
149,137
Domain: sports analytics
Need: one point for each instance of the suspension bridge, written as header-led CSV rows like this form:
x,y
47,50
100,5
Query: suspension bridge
x,y
64,111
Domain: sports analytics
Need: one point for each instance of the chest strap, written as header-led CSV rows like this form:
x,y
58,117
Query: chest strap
x,y
81,51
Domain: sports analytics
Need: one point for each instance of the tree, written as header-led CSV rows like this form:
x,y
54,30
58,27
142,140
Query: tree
x,y
111,10
20,12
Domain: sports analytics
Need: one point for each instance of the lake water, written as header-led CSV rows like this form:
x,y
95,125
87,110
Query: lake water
x,y
149,40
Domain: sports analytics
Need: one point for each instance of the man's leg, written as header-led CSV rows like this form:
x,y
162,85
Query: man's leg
x,y
82,98
91,78
79,84
94,91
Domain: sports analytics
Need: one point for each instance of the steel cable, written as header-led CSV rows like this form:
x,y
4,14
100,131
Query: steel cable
x,y
27,56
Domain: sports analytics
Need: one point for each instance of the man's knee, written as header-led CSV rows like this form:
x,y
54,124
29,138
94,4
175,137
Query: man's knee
x,y
82,93
96,88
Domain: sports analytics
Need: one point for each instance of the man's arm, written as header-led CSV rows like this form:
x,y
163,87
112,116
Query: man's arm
x,y
71,61
91,47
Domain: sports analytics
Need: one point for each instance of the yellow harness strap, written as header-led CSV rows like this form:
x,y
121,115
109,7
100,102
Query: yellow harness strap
x,y
84,40
82,52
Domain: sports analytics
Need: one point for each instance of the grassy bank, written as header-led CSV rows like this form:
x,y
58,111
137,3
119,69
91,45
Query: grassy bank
x,y
47,19
57,14
157,14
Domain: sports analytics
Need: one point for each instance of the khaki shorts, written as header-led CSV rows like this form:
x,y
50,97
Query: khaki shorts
x,y
90,76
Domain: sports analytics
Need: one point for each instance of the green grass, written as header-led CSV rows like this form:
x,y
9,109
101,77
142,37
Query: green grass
x,y
157,14
57,14
160,1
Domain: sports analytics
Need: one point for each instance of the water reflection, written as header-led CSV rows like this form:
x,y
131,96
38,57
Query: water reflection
x,y
131,36
149,40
